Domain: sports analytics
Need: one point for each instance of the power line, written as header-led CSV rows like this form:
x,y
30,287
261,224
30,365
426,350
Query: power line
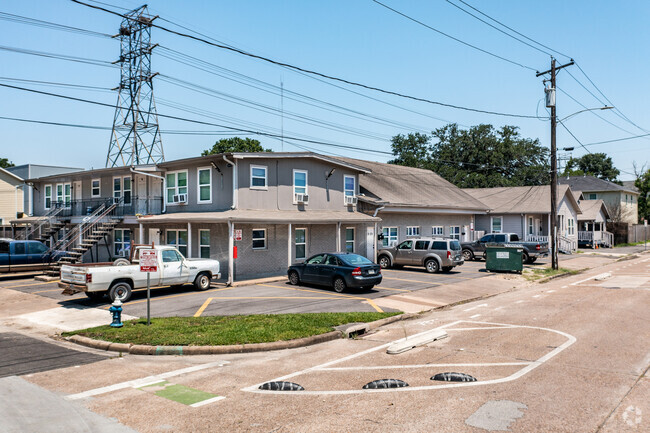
x,y
329,77
86,60
617,139
451,37
50,25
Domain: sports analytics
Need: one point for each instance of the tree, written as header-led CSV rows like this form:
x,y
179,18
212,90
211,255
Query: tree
x,y
5,163
642,183
592,164
235,144
479,157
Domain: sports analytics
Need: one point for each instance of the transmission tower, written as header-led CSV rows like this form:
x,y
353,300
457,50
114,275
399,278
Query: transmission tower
x,y
135,138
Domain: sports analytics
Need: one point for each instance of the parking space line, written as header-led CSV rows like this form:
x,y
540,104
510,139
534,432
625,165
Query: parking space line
x,y
390,288
478,306
475,316
159,298
412,281
384,367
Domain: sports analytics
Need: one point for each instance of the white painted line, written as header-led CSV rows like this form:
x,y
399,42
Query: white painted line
x,y
478,306
519,301
142,385
475,316
553,291
136,383
386,367
489,328
498,308
208,401
536,296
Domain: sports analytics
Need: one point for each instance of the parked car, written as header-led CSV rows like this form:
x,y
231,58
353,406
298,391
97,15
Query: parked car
x,y
434,254
119,279
18,256
337,270
532,250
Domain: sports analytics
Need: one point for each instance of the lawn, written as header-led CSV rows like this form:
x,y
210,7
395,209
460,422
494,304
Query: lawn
x,y
539,273
225,330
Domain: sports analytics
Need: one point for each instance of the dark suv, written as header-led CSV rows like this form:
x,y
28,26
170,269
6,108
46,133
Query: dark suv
x,y
434,254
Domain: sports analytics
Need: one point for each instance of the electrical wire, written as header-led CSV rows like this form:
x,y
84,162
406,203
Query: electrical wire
x,y
50,25
76,59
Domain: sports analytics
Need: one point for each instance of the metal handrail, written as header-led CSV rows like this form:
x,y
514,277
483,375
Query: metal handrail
x,y
46,219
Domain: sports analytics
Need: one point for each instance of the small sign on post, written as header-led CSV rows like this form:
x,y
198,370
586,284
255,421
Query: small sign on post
x,y
238,234
148,264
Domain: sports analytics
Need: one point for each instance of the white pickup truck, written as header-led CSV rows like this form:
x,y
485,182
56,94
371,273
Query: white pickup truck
x,y
119,280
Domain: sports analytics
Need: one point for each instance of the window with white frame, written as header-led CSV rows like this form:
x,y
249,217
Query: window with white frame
x,y
259,239
496,224
121,242
571,229
176,184
454,232
437,231
64,194
259,177
48,197
299,183
531,226
349,186
204,179
390,236
178,238
204,244
122,188
413,231
349,239
95,188
301,243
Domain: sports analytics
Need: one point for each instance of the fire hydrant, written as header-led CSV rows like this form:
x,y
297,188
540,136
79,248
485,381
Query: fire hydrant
x,y
116,312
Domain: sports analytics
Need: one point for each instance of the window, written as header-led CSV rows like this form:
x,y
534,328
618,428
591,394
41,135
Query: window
x,y
63,194
95,186
496,224
421,245
48,196
439,245
390,236
413,231
593,196
259,239
454,232
301,243
316,260
204,244
19,248
500,239
406,245
571,229
299,183
531,226
204,176
349,186
176,184
169,256
36,248
259,179
349,239
487,239
437,231
178,238
121,242
122,188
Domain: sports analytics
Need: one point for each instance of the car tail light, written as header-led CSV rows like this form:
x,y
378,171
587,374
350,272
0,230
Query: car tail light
x,y
448,254
89,278
356,271
538,247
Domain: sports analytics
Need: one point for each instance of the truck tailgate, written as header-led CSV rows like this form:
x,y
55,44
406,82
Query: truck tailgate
x,y
73,275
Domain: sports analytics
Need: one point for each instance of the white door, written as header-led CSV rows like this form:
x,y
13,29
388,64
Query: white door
x,y
538,226
154,236
370,243
174,269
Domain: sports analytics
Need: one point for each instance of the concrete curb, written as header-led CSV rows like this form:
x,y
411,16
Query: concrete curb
x,y
140,349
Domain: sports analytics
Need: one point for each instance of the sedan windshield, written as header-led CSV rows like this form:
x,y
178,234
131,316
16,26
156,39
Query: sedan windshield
x,y
355,259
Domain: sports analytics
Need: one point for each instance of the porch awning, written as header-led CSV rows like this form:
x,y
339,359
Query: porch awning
x,y
28,220
261,216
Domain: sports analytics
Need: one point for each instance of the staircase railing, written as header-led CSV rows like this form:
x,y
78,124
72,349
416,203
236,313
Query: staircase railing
x,y
567,245
609,238
537,238
45,219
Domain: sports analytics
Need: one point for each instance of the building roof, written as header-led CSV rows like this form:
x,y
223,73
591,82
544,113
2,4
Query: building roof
x,y
11,175
629,185
409,187
592,184
590,209
521,199
262,216
94,172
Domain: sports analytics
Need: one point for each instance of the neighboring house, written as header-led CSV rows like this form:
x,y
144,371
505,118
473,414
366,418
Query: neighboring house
x,y
255,212
592,224
526,210
11,197
414,202
621,201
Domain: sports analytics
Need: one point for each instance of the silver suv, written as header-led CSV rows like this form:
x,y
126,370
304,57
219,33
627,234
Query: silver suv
x,y
434,254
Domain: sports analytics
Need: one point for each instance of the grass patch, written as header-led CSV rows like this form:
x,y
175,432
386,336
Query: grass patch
x,y
627,244
539,273
224,330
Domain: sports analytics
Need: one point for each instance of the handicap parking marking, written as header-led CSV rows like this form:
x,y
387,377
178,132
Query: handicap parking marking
x,y
327,366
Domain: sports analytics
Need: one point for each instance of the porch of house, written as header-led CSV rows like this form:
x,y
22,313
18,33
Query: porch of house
x,y
538,229
594,234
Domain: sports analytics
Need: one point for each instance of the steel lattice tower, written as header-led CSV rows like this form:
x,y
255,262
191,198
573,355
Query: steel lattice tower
x,y
135,138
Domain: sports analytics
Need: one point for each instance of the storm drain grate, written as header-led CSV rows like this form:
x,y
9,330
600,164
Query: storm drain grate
x,y
385,383
454,377
281,386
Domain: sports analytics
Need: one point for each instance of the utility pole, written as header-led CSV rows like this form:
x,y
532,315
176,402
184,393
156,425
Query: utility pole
x,y
550,102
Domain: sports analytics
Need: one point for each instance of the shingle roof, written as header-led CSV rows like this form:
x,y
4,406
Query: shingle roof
x,y
629,184
591,184
590,209
520,199
399,186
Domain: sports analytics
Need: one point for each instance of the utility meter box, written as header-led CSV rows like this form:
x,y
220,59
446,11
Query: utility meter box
x,y
550,96
508,259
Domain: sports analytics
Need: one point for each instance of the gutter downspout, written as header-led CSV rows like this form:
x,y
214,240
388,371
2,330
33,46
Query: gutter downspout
x,y
163,178
377,211
234,182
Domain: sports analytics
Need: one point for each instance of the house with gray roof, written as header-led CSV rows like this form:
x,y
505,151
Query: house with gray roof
x,y
592,224
621,201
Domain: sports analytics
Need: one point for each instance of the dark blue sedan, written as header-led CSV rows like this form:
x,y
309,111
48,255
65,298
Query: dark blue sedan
x,y
336,270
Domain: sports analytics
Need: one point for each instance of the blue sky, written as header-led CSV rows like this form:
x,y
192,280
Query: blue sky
x,y
356,40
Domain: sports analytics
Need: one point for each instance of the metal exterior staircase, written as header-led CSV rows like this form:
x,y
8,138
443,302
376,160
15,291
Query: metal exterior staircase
x,y
566,245
47,226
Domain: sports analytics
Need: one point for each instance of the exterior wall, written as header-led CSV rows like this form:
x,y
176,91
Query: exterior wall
x,y
565,212
617,206
33,171
509,223
425,221
11,198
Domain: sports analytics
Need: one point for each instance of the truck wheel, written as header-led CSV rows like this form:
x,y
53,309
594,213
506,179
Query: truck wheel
x,y
121,291
121,262
468,255
384,262
95,296
202,281
339,285
294,278
431,265
525,258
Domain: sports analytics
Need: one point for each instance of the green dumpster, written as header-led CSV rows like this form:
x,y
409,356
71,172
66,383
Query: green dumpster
x,y
504,258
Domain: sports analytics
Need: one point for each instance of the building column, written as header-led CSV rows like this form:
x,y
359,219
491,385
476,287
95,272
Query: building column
x,y
289,246
141,233
375,244
338,237
189,240
231,264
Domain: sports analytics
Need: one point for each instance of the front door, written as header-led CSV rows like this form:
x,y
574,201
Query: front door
x,y
174,269
538,226
154,236
77,194
370,243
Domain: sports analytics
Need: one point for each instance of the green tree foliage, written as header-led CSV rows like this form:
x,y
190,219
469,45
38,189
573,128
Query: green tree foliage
x,y
5,163
478,157
235,144
592,164
642,183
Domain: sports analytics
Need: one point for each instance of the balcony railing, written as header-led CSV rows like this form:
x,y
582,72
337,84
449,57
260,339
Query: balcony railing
x,y
130,206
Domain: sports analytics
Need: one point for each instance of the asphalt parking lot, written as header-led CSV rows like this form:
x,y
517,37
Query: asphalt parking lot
x,y
263,298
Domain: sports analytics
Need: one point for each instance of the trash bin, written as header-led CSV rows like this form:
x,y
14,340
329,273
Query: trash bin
x,y
504,258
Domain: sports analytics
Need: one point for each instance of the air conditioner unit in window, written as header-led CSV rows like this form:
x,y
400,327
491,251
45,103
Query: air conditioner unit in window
x,y
116,200
350,200
180,198
302,198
